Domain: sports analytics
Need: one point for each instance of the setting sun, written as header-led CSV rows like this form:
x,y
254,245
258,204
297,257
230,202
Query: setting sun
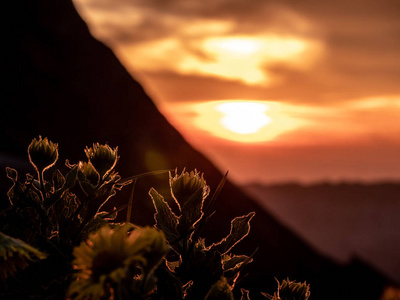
x,y
243,117
242,121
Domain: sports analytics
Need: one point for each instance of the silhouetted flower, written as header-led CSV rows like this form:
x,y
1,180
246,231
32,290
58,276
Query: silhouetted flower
x,y
42,153
186,184
102,157
89,171
291,290
109,254
15,253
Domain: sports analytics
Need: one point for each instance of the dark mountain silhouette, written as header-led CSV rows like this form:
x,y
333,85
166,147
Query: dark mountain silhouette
x,y
59,82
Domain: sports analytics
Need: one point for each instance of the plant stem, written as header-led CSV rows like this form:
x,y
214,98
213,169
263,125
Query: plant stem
x,y
41,181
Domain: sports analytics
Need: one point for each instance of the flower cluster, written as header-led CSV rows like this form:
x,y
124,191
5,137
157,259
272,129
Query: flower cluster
x,y
56,225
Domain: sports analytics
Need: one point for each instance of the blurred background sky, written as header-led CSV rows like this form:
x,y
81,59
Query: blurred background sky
x,y
321,78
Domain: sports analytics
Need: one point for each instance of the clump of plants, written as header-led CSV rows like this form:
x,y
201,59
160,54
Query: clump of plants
x,y
57,241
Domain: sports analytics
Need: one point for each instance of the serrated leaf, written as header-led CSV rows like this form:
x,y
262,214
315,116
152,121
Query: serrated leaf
x,y
235,261
234,266
165,218
240,228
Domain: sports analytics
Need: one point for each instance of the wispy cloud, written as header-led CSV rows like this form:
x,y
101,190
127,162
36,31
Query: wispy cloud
x,y
357,43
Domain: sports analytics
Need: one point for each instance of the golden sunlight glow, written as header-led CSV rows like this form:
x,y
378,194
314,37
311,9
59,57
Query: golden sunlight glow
x,y
243,117
243,58
267,47
243,120
233,45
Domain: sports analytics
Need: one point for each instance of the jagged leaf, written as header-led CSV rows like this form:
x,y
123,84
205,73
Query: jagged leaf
x,y
234,265
240,227
165,218
235,262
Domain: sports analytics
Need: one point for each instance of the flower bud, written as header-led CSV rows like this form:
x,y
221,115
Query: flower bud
x,y
186,184
293,290
89,171
42,153
102,158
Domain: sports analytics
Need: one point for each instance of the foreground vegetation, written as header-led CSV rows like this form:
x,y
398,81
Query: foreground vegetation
x,y
57,241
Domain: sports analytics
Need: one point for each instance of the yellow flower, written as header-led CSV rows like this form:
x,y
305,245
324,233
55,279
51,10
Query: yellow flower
x,y
108,256
42,153
186,184
102,157
15,253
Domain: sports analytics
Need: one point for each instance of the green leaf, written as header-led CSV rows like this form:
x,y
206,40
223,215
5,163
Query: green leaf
x,y
165,219
240,228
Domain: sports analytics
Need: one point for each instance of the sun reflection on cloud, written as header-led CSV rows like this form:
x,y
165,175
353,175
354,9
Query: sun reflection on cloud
x,y
245,58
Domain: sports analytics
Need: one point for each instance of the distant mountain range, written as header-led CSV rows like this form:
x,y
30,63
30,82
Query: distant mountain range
x,y
341,220
60,82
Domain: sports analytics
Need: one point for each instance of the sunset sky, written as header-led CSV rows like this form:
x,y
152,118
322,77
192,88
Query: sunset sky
x,y
269,90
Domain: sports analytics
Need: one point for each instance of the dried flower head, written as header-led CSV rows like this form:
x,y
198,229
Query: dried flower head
x,y
186,184
42,153
110,254
15,253
102,157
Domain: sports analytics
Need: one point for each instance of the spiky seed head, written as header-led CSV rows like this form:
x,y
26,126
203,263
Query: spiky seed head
x,y
102,157
42,153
